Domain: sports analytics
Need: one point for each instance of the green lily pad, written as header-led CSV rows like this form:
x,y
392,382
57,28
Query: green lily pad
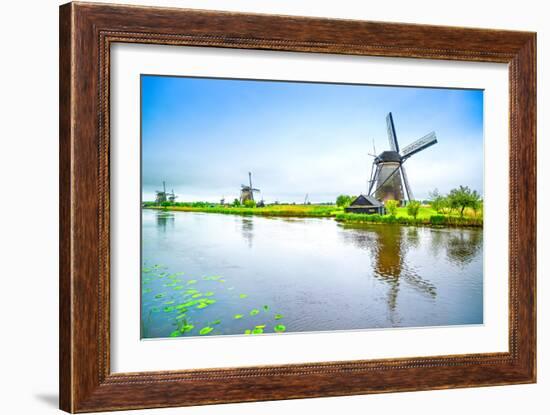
x,y
238,316
216,322
243,295
278,316
169,302
179,287
261,326
179,317
265,307
208,294
205,330
160,295
168,309
175,333
147,290
187,328
247,331
197,295
202,305
257,330
191,282
254,312
279,328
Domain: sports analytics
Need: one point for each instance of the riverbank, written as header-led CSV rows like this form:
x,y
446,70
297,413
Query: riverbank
x,y
426,216
299,211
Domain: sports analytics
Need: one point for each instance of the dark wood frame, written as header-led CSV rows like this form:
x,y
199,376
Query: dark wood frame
x,y
86,33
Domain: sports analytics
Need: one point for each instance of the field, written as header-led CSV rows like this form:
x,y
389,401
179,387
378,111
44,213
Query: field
x,y
426,215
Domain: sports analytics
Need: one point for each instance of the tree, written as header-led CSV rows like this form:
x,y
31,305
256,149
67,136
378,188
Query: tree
x,y
413,207
249,203
438,202
463,197
343,200
236,202
391,206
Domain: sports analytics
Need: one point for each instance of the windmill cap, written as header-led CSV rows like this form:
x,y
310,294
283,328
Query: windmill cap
x,y
389,156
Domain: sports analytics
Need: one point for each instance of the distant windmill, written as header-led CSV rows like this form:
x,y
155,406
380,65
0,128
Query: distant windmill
x,y
388,179
163,196
247,192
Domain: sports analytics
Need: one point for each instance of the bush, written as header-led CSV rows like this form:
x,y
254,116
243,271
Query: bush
x,y
437,220
391,206
343,200
249,203
236,203
413,207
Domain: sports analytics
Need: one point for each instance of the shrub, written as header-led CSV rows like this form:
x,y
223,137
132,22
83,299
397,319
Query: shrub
x,y
391,206
437,220
413,207
343,201
249,203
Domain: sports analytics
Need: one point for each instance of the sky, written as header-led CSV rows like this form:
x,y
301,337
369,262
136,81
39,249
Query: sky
x,y
202,136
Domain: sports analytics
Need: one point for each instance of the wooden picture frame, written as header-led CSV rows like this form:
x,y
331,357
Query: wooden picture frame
x,y
86,33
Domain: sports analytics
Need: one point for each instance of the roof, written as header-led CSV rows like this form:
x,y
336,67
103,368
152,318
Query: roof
x,y
389,156
366,200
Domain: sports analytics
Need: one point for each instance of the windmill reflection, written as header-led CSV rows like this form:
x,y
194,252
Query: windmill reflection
x,y
388,246
164,220
247,230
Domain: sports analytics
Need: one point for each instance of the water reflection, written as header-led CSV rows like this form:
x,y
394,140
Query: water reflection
x,y
164,220
463,247
388,246
247,230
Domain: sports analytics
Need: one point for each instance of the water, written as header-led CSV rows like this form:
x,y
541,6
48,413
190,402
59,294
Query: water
x,y
317,274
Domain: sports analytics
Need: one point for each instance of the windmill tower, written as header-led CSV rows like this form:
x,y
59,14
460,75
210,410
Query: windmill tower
x,y
388,179
163,196
247,192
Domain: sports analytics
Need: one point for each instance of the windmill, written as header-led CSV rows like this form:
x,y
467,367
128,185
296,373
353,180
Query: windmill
x,y
247,192
163,196
388,179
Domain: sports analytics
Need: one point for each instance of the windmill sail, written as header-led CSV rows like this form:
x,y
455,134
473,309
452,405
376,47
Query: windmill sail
x,y
392,137
419,145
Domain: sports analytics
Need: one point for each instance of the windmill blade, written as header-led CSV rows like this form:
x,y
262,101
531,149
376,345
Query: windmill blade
x,y
406,183
392,137
255,190
419,145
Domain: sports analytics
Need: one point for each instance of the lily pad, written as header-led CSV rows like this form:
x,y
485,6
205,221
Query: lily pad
x,y
168,309
175,333
238,316
191,282
257,330
265,307
197,295
254,312
278,316
205,330
243,295
208,294
279,328
187,328
216,322
160,295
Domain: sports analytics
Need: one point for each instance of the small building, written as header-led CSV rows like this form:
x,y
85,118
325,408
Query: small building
x,y
366,204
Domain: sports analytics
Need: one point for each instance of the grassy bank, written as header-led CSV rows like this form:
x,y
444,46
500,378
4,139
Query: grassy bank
x,y
311,211
426,215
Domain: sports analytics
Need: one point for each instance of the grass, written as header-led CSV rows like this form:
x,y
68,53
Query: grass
x,y
426,215
311,211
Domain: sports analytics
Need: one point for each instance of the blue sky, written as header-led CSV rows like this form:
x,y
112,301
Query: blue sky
x,y
202,136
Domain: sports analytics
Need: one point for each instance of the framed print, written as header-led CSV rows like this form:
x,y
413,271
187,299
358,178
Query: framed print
x,y
259,207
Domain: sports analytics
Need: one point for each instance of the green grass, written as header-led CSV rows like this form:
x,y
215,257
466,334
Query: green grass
x,y
313,211
426,215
